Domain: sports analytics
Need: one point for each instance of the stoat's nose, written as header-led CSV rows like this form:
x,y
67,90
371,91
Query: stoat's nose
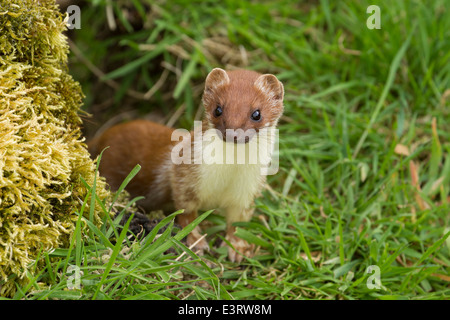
x,y
239,135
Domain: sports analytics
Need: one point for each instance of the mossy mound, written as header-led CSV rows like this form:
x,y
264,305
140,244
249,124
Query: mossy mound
x,y
42,155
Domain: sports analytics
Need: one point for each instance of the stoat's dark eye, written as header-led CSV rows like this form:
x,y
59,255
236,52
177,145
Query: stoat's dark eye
x,y
218,111
256,115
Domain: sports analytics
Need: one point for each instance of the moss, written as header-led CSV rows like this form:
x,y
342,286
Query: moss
x,y
42,154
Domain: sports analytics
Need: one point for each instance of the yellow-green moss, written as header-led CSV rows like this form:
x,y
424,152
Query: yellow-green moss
x,y
42,155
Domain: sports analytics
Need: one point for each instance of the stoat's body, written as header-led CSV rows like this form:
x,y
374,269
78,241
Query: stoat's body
x,y
201,174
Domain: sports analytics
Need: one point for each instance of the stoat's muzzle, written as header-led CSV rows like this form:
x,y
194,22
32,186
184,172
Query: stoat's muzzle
x,y
237,135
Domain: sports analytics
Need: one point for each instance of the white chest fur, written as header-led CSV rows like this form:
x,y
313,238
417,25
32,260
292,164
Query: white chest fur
x,y
228,185
230,175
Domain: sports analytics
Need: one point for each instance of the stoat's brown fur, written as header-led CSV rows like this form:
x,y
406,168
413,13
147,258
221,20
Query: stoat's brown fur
x,y
193,186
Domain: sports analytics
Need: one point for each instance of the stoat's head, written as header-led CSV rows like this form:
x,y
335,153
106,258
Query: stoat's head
x,y
244,100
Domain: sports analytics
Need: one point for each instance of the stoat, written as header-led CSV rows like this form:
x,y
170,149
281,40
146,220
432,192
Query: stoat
x,y
215,166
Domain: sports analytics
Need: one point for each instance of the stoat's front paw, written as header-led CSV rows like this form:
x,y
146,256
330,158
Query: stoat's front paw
x,y
193,238
241,248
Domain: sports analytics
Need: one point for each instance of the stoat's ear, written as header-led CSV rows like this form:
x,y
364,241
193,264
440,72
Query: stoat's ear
x,y
269,85
216,78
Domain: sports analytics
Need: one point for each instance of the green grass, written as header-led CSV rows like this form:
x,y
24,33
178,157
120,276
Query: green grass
x,y
344,199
